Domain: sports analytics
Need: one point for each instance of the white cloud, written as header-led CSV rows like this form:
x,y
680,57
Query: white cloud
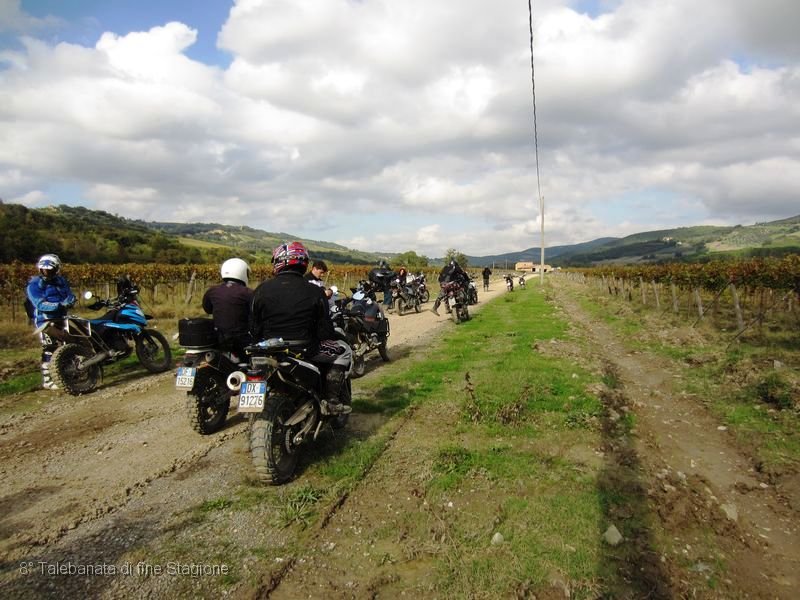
x,y
345,110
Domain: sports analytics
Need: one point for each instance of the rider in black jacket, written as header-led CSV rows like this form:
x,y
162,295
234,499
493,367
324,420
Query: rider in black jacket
x,y
229,304
450,272
290,307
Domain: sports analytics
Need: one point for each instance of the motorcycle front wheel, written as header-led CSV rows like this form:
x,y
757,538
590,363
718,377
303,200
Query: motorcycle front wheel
x,y
271,448
424,296
66,372
153,351
208,403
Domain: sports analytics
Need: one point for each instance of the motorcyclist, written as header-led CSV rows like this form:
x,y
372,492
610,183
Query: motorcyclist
x,y
50,296
487,272
229,304
452,271
287,307
382,277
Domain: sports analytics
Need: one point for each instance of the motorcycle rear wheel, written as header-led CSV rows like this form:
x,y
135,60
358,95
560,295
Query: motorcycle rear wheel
x,y
153,351
416,306
274,456
424,296
208,403
65,373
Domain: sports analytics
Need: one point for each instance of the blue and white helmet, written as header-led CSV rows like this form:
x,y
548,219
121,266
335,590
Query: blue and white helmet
x,y
49,265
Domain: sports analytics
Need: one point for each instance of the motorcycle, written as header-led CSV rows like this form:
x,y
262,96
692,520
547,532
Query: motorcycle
x,y
422,288
404,297
472,292
86,345
455,296
522,282
281,393
203,374
509,283
365,325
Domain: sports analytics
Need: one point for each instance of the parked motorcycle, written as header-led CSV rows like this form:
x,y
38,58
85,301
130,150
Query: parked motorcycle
x,y
86,345
204,373
404,297
457,300
365,325
282,392
472,292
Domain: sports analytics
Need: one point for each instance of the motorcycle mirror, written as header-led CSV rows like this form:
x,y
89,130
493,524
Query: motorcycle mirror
x,y
88,295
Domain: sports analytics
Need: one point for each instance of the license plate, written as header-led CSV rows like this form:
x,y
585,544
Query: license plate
x,y
184,379
252,395
452,302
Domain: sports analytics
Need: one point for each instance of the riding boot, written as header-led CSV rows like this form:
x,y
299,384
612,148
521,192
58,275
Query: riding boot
x,y
435,308
331,403
47,381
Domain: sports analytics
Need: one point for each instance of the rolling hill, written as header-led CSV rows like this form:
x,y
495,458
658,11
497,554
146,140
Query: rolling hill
x,y
79,234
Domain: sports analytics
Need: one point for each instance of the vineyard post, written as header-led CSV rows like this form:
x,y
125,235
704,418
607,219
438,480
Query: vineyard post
x,y
644,292
674,297
655,293
155,293
699,303
190,289
737,307
108,290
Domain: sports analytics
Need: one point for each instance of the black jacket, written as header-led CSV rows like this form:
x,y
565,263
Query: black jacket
x,y
290,307
453,273
486,272
229,304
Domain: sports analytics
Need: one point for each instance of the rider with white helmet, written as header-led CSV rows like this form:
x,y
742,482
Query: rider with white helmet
x,y
229,304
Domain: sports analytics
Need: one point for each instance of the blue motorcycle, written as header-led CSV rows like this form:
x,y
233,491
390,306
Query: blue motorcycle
x,y
86,345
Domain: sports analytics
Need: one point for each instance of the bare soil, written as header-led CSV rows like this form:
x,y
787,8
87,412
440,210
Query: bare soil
x,y
112,477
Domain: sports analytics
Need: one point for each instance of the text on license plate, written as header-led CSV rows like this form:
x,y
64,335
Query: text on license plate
x,y
252,395
184,379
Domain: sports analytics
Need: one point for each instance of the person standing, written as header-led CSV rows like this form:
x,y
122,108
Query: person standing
x,y
487,272
229,305
49,296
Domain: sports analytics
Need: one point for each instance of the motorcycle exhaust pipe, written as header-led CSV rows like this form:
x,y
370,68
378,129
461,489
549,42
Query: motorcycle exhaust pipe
x,y
90,362
235,380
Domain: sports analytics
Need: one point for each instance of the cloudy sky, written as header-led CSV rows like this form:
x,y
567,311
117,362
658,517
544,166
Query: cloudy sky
x,y
405,124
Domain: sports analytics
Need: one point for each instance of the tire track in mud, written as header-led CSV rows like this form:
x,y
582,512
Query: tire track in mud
x,y
696,478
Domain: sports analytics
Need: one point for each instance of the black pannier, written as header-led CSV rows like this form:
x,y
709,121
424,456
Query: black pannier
x,y
197,333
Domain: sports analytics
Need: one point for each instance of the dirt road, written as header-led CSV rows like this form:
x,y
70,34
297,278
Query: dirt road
x,y
92,480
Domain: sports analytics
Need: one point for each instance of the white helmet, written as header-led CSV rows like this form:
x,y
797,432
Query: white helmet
x,y
235,268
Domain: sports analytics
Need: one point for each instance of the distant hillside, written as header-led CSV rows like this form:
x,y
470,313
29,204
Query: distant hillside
x,y
697,243
81,235
256,242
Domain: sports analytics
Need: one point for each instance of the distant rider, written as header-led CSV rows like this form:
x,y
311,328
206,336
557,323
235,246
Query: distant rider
x,y
452,271
382,278
50,296
229,304
287,307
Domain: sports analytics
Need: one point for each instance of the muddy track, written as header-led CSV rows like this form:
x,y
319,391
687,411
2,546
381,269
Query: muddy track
x,y
694,473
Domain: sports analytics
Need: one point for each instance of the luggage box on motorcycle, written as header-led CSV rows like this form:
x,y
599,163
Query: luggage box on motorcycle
x,y
197,333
